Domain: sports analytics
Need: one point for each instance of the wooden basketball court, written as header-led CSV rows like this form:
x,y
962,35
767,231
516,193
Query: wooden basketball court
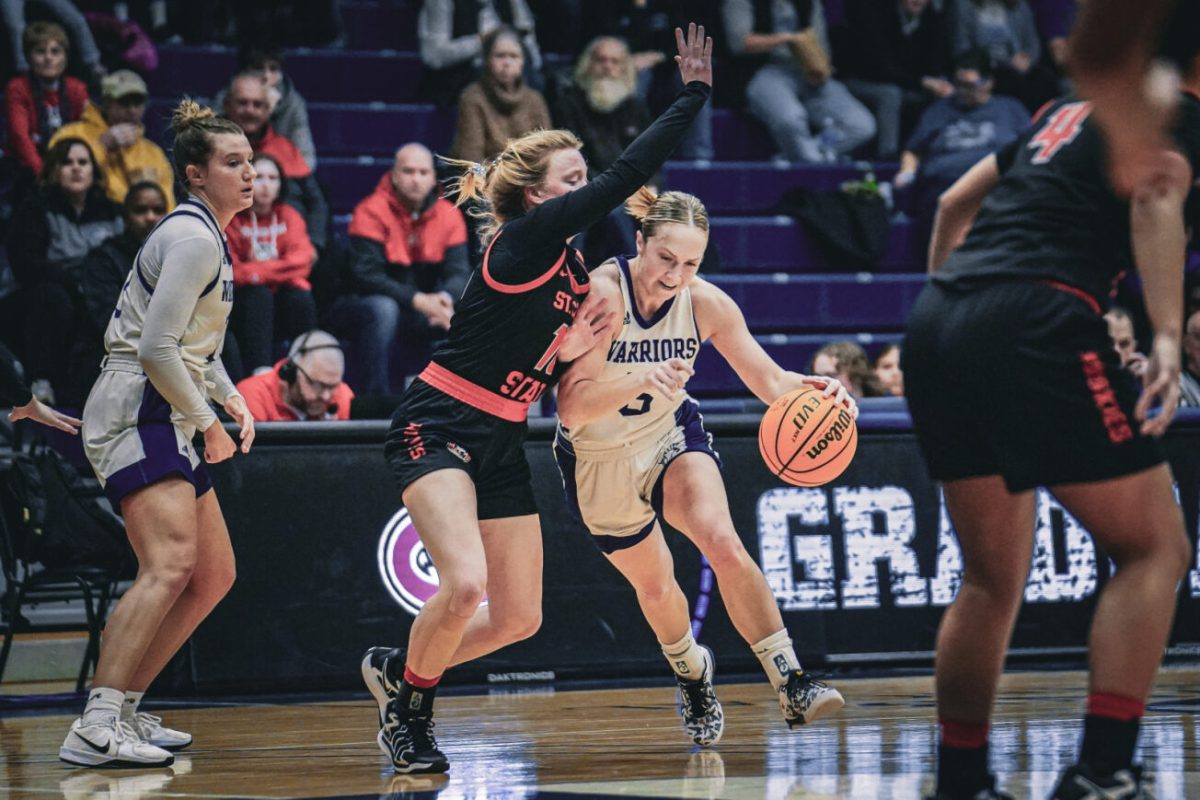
x,y
609,743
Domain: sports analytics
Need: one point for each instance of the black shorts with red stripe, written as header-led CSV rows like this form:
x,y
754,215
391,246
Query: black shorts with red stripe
x,y
432,431
1019,378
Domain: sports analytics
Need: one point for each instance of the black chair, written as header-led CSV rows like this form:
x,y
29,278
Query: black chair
x,y
27,581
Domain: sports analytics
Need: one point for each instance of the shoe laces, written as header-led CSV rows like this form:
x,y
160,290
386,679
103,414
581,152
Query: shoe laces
x,y
698,697
420,731
121,730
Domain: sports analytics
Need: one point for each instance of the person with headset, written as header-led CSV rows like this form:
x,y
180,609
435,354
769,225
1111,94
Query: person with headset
x,y
307,385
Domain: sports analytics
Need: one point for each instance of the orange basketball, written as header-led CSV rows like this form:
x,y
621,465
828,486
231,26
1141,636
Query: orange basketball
x,y
807,439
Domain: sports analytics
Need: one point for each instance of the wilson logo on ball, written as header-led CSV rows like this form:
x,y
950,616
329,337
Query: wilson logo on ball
x,y
807,439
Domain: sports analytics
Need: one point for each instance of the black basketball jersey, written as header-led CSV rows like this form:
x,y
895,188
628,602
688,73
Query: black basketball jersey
x,y
502,350
505,336
1053,216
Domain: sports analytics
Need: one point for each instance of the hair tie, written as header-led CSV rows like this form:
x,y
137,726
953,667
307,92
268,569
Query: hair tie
x,y
480,170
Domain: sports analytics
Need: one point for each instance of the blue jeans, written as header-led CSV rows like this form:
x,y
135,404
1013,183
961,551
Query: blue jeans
x,y
372,326
806,121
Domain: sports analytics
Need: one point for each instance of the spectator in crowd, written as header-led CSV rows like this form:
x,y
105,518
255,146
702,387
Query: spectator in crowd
x,y
956,132
602,108
305,386
899,61
408,266
648,27
499,106
1007,31
115,134
812,117
287,108
1189,376
248,104
1120,330
888,375
65,12
38,104
847,362
451,41
101,276
48,237
272,259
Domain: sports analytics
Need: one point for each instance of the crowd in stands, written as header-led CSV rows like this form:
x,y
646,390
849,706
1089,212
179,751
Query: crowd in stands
x,y
933,84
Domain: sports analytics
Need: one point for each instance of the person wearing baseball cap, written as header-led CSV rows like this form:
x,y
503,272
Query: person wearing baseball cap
x,y
116,135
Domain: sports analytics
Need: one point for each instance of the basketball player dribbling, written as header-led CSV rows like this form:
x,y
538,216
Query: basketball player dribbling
x,y
163,366
455,444
1013,383
633,451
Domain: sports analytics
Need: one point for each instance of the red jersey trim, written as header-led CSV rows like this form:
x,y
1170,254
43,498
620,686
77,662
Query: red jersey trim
x,y
473,395
1069,289
520,287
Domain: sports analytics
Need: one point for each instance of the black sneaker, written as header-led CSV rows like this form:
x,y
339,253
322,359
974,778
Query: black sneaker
x,y
703,718
1080,783
382,671
805,699
410,743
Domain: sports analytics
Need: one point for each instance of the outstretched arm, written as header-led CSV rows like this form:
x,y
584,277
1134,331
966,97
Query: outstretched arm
x,y
556,219
768,381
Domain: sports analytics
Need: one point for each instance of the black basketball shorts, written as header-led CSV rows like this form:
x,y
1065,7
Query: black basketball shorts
x,y
1019,378
432,431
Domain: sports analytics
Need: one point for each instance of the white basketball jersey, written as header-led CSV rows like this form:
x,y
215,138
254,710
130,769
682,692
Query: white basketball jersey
x,y
202,341
641,345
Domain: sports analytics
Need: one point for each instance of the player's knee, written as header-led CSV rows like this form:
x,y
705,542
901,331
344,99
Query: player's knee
x,y
522,624
172,575
465,590
213,581
657,590
1180,552
724,550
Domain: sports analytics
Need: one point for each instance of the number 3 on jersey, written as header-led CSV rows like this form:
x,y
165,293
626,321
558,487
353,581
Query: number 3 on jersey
x,y
1059,131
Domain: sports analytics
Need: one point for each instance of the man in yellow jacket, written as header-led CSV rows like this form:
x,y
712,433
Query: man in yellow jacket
x,y
118,140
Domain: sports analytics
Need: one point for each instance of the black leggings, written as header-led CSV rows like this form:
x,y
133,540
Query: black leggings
x,y
263,318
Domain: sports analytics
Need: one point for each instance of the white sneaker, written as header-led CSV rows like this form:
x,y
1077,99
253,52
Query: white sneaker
x,y
111,743
94,785
805,699
150,730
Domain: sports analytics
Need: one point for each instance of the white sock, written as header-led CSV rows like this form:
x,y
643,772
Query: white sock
x,y
685,657
102,705
130,706
777,657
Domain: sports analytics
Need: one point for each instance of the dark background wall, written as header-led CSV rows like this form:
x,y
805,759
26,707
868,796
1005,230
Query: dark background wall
x,y
863,568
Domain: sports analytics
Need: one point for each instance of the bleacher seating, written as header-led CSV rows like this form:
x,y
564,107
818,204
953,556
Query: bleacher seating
x,y
363,104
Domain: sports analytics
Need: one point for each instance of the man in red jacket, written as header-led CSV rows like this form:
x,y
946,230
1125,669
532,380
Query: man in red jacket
x,y
408,265
248,105
307,385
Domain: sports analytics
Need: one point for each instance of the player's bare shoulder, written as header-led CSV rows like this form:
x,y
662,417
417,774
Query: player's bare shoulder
x,y
606,283
711,305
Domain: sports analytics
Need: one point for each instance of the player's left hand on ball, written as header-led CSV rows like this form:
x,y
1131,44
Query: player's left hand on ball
x,y
235,407
832,387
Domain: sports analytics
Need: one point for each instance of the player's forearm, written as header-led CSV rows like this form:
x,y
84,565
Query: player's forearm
x,y
1160,249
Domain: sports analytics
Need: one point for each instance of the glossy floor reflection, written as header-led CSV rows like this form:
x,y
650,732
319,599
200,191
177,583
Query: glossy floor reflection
x,y
624,742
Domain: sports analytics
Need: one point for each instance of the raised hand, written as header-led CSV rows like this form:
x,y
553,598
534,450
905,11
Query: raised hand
x,y
695,55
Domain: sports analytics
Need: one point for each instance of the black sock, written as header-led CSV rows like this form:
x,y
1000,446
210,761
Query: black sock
x,y
415,701
1108,743
962,771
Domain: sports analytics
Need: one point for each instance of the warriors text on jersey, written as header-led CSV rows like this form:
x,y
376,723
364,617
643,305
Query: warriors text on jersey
x,y
641,345
1053,216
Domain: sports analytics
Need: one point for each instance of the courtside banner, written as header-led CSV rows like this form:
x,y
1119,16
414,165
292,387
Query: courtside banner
x,y
329,564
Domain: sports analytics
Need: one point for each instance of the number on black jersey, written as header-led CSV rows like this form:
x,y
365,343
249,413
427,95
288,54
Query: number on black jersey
x,y
1059,131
